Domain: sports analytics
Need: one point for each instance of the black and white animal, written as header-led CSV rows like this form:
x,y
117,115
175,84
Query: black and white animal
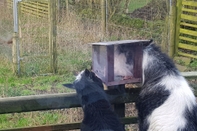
x,y
98,113
123,67
166,101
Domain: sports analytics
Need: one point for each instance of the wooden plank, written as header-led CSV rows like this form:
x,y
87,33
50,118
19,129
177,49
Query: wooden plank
x,y
186,54
36,6
35,0
188,17
188,39
178,20
34,13
189,10
66,126
172,27
56,101
189,75
190,3
188,47
188,32
27,11
189,25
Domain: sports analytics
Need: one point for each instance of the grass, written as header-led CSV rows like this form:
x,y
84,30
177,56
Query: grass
x,y
135,4
11,85
74,55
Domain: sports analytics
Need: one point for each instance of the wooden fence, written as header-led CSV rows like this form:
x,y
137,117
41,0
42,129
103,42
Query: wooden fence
x,y
44,9
35,8
186,26
67,100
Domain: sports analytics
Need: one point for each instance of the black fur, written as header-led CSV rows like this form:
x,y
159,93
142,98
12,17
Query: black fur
x,y
98,113
153,94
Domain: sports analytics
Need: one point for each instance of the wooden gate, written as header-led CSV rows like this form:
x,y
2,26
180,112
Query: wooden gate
x,y
186,28
37,36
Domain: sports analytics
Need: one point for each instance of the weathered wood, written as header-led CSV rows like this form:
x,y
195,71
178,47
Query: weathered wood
x,y
188,32
187,55
67,8
188,47
188,17
188,39
55,101
172,28
189,75
33,7
190,3
103,17
178,20
64,100
52,35
120,108
189,10
67,126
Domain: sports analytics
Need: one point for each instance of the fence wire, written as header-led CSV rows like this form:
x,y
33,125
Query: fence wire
x,y
79,23
6,31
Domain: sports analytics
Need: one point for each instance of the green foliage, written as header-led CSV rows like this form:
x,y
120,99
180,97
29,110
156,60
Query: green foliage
x,y
89,13
124,20
193,64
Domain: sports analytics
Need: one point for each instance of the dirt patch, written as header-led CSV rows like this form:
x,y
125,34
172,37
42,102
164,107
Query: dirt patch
x,y
154,10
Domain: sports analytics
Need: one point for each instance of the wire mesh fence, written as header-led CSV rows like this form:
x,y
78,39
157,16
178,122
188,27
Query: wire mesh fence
x,y
6,31
78,23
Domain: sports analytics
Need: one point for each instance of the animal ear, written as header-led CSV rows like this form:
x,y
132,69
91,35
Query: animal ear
x,y
69,85
151,40
87,72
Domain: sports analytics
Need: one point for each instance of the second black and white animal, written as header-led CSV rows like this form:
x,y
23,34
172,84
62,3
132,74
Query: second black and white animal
x,y
166,101
98,113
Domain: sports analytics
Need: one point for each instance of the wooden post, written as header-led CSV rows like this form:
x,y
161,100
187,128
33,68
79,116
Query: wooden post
x,y
67,8
103,15
118,108
178,19
172,27
52,36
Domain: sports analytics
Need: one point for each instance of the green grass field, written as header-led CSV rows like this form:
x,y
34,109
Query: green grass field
x,y
11,86
135,4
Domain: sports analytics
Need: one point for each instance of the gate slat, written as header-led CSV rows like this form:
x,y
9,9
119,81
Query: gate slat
x,y
188,47
188,32
188,39
190,3
188,17
187,55
189,10
189,25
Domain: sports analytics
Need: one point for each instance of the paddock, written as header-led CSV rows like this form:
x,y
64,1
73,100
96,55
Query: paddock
x,y
69,100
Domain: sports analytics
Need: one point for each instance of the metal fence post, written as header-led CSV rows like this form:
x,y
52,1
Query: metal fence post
x,y
16,46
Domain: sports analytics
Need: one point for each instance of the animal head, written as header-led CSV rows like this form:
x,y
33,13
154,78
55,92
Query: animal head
x,y
88,86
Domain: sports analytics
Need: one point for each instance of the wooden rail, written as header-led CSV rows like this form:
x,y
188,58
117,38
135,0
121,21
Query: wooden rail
x,y
186,28
57,101
66,100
